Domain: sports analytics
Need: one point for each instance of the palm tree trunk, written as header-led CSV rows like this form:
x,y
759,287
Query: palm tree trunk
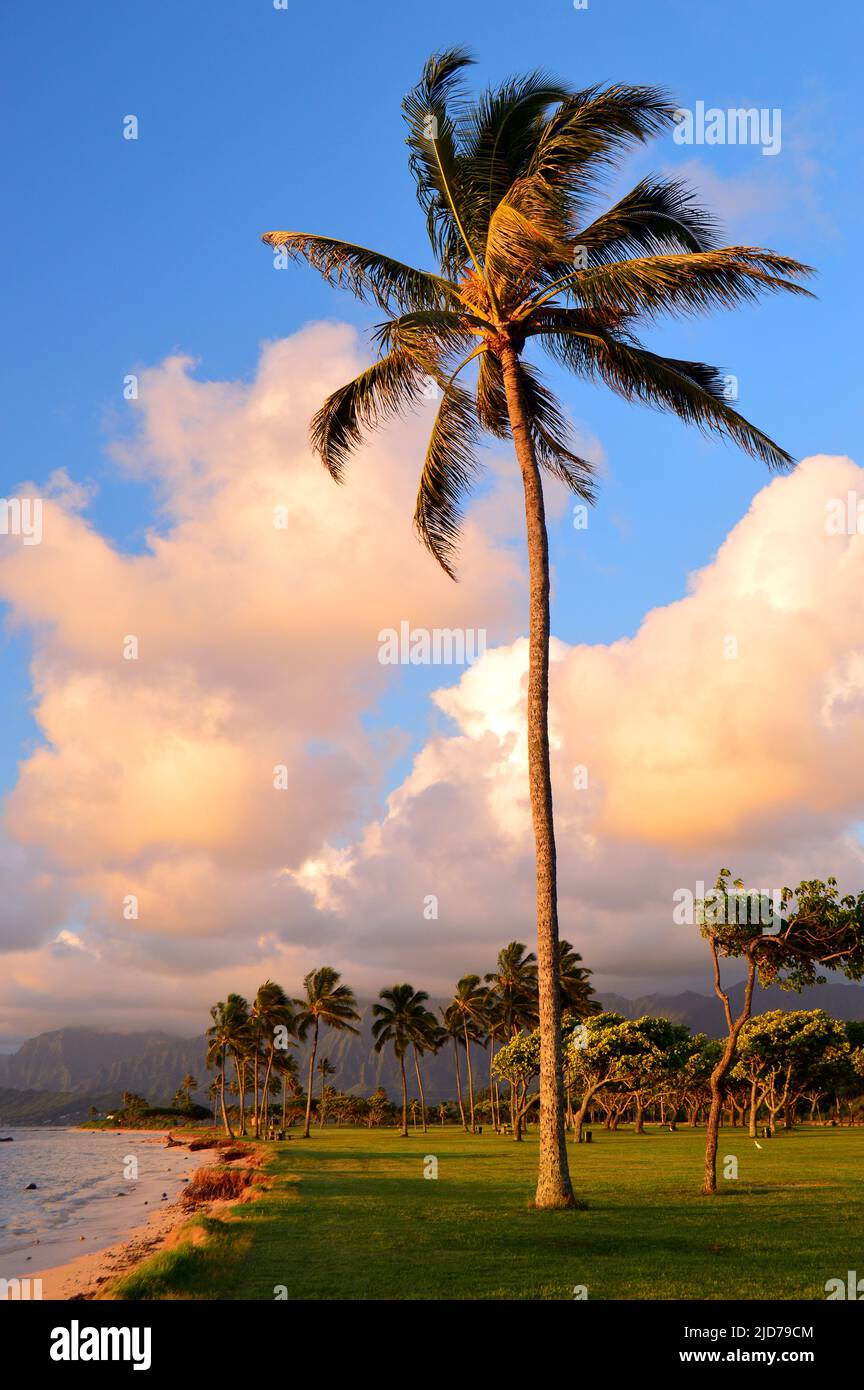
x,y
553,1178
404,1097
470,1075
309,1084
255,1087
459,1086
266,1097
753,1107
420,1087
241,1082
228,1130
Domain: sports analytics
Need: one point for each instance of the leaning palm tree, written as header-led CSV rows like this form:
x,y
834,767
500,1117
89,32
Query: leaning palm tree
x,y
506,183
329,1004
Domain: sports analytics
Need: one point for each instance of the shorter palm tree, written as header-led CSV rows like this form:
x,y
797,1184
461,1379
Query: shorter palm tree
x,y
470,1005
453,1029
329,1004
397,1019
577,994
228,1022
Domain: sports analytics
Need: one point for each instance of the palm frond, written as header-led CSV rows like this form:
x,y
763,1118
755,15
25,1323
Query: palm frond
x,y
693,283
432,110
449,469
429,332
655,217
382,391
498,136
523,238
367,274
551,434
691,390
589,131
491,397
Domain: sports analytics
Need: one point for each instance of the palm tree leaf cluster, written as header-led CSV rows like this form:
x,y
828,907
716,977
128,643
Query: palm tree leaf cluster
x,y
510,186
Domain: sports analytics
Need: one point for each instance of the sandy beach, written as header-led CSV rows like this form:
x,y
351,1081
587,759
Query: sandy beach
x,y
85,1274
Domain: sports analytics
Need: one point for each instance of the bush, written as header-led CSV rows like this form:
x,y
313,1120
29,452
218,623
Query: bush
x,y
211,1184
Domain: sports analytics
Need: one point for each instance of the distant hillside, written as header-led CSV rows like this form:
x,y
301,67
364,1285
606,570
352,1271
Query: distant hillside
x,y
82,1059
72,1068
46,1107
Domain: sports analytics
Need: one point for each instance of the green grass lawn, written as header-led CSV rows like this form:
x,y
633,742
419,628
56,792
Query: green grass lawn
x,y
351,1216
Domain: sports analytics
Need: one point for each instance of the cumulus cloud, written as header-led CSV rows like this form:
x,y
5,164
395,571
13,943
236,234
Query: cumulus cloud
x,y
727,731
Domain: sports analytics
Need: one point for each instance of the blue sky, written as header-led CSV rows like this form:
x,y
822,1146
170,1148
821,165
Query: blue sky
x,y
117,252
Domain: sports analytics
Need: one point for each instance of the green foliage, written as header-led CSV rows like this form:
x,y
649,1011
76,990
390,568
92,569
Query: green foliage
x,y
819,926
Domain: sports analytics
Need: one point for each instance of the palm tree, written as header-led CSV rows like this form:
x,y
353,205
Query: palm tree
x,y
285,1065
221,1035
514,988
506,183
576,992
513,1003
453,1029
276,1023
328,1003
397,1020
470,1004
426,1036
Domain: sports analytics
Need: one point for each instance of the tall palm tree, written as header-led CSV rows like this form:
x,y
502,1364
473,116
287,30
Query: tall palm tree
x,y
329,1004
470,1004
397,1019
506,183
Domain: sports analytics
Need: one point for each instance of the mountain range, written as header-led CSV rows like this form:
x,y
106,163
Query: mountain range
x,y
55,1077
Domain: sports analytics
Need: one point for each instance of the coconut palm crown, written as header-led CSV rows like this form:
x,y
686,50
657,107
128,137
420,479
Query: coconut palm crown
x,y
509,183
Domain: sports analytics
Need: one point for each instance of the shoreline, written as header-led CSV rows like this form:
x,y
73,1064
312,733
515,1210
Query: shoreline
x,y
86,1277
84,1271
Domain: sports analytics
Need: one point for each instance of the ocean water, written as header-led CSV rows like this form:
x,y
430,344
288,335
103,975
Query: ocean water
x,y
79,1176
